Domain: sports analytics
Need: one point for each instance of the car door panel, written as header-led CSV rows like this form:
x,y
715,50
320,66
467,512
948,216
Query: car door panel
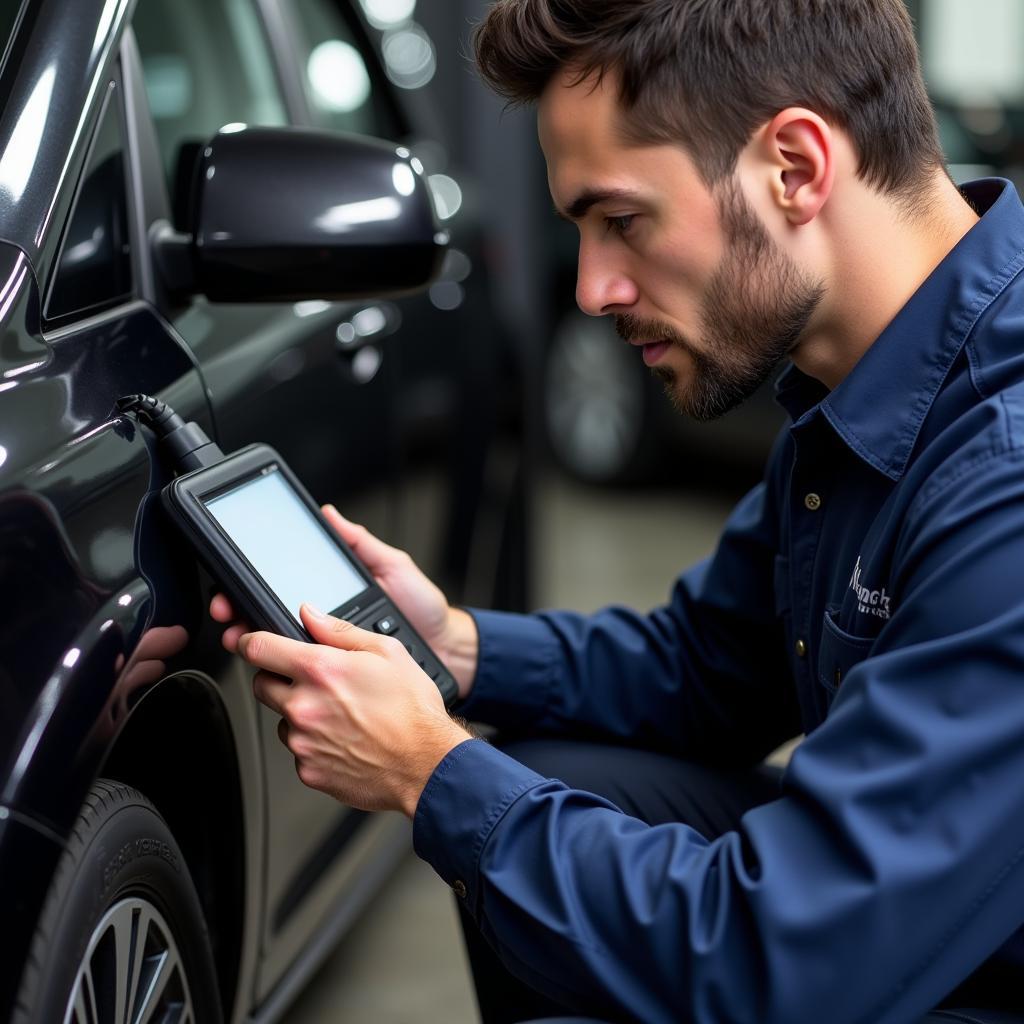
x,y
275,373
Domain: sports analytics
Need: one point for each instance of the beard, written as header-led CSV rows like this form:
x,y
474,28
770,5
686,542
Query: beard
x,y
756,306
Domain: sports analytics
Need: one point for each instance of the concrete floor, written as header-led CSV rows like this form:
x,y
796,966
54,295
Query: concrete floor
x,y
404,963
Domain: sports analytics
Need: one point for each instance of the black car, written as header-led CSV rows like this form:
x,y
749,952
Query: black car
x,y
180,217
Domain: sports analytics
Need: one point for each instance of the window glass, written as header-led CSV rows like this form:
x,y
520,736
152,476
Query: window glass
x,y
8,19
206,64
94,269
339,75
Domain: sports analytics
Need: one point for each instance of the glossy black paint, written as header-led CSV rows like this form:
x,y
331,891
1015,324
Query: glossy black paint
x,y
291,214
48,87
108,662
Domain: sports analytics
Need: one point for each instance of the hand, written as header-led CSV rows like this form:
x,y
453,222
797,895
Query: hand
x,y
449,632
364,721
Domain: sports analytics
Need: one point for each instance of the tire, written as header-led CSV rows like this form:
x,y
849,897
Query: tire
x,y
121,882
599,404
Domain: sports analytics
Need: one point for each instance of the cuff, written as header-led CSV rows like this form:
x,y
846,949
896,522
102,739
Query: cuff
x,y
516,667
469,792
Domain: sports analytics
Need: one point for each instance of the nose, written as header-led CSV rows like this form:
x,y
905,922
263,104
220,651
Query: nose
x,y
602,284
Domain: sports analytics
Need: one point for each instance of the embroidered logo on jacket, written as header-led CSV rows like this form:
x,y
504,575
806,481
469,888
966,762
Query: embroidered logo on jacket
x,y
869,602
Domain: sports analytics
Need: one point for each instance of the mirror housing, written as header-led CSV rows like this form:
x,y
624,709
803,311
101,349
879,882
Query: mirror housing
x,y
286,214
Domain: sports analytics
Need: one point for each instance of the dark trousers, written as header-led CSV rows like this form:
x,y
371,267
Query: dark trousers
x,y
657,789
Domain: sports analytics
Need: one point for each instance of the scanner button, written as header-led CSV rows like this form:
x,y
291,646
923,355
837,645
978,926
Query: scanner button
x,y
387,625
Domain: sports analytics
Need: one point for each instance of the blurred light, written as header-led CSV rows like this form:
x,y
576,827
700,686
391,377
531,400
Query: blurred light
x,y
345,333
446,295
339,219
310,307
369,321
416,165
447,195
388,13
86,249
3,453
442,238
338,76
124,600
106,625
71,657
403,152
409,57
233,127
403,179
457,266
365,364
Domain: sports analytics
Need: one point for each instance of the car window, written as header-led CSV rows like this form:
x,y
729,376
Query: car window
x,y
339,75
94,268
8,19
206,63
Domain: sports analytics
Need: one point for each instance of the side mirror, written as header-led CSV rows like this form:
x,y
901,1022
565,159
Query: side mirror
x,y
285,214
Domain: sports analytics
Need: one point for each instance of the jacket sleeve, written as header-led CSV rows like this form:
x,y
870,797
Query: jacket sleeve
x,y
706,673
892,866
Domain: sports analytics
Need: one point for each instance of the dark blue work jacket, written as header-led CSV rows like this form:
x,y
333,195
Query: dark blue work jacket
x,y
870,592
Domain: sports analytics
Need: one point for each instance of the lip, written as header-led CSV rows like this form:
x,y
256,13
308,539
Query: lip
x,y
653,351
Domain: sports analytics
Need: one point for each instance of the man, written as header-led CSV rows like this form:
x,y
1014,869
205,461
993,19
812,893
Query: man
x,y
752,180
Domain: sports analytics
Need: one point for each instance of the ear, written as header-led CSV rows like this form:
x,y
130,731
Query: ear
x,y
798,148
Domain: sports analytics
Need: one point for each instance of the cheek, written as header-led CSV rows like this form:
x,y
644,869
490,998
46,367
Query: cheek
x,y
675,274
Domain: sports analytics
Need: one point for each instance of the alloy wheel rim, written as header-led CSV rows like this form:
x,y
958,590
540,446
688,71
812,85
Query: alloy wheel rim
x,y
132,971
594,398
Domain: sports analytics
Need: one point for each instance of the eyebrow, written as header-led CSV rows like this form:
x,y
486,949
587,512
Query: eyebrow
x,y
578,208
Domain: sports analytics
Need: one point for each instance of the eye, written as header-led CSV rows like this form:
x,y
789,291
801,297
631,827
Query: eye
x,y
620,225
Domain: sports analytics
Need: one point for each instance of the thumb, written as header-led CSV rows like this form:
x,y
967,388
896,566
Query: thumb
x,y
334,632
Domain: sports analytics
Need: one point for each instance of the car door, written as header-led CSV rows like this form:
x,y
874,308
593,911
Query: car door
x,y
292,375
457,381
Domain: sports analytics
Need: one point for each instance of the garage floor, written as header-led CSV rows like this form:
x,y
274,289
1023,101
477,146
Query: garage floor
x,y
404,963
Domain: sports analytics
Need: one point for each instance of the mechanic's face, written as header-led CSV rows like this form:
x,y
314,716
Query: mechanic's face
x,y
688,273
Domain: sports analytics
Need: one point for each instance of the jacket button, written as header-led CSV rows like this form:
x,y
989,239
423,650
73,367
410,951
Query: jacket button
x,y
813,501
459,888
801,649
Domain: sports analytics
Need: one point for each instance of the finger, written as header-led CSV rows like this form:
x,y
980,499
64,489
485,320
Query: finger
x,y
221,609
271,690
275,653
374,552
282,731
162,642
326,629
232,635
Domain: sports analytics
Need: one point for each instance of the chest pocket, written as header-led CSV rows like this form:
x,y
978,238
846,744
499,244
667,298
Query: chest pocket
x,y
839,652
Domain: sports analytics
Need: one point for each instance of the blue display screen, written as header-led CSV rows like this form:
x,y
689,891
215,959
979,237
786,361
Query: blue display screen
x,y
286,544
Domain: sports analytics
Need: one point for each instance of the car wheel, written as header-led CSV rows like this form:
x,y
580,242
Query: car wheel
x,y
598,403
122,935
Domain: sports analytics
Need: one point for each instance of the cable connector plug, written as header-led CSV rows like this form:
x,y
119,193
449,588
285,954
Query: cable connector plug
x,y
185,444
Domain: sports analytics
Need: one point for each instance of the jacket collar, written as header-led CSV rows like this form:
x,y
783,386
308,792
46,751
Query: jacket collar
x,y
878,409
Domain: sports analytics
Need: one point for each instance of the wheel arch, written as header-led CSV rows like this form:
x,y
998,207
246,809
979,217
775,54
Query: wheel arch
x,y
178,748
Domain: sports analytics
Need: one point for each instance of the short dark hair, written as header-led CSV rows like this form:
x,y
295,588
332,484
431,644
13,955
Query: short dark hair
x,y
706,73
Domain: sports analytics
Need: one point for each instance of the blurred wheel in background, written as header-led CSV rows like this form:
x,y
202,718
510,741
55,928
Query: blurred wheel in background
x,y
599,403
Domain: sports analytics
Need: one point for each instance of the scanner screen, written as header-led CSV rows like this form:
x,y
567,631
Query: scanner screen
x,y
285,543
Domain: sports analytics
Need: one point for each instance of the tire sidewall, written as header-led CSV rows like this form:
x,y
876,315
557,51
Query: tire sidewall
x,y
128,851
